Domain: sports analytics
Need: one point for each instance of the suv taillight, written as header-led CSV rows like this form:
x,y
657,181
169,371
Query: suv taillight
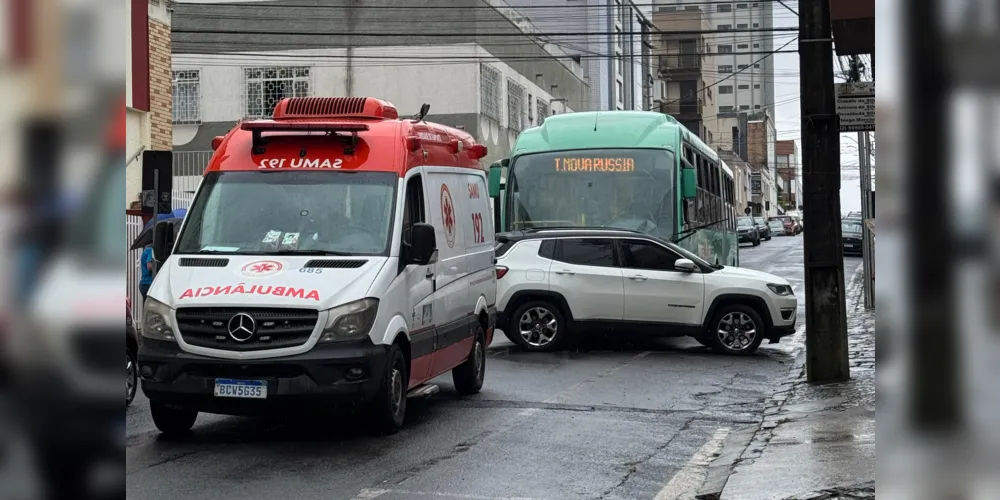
x,y
501,271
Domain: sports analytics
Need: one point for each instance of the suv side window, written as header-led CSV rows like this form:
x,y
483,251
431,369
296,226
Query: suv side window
x,y
598,252
548,249
639,254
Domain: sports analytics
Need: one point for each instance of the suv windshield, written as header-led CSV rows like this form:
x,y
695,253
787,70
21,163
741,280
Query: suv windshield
x,y
759,220
623,188
744,222
291,212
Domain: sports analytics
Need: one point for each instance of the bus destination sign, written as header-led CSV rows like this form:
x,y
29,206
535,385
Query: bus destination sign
x,y
601,164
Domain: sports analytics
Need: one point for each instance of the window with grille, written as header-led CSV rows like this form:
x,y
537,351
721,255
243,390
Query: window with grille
x,y
725,109
490,98
725,89
725,49
515,106
265,87
724,7
187,97
725,68
724,27
743,46
742,26
744,87
542,108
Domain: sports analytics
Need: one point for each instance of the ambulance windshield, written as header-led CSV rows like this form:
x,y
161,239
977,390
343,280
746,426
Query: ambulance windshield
x,y
308,213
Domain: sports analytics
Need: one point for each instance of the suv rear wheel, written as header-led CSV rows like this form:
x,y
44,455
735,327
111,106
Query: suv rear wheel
x,y
538,326
736,329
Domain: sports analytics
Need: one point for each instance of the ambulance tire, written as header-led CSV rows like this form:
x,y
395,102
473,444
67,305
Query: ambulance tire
x,y
172,422
469,376
388,409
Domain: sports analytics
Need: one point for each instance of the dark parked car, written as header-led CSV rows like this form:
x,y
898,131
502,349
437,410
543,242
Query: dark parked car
x,y
763,228
747,230
851,234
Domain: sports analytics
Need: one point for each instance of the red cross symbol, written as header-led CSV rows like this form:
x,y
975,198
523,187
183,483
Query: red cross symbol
x,y
449,214
262,267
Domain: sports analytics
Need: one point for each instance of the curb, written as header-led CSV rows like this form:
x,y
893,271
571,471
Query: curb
x,y
760,436
722,467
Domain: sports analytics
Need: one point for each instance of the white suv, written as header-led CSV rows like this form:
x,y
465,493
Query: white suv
x,y
549,280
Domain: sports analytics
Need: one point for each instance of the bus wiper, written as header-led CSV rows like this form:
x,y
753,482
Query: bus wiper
x,y
690,232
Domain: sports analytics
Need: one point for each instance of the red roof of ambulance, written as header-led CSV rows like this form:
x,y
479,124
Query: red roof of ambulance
x,y
386,143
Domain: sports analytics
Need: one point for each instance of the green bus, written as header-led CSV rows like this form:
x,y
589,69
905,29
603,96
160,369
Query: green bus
x,y
635,170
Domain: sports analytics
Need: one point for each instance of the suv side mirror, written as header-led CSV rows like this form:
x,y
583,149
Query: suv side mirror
x,y
689,183
685,265
163,240
423,244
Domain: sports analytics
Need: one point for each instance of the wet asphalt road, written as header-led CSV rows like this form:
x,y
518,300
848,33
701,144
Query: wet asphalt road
x,y
607,419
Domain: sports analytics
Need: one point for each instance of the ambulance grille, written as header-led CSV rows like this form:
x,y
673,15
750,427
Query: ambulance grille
x,y
305,106
197,262
336,264
275,327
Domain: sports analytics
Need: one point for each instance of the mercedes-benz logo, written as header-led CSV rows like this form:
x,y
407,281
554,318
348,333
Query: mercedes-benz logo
x,y
242,327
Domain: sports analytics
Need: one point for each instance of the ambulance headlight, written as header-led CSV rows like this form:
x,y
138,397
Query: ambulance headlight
x,y
157,322
350,321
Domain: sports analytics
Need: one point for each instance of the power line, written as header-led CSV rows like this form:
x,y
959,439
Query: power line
x,y
417,34
454,7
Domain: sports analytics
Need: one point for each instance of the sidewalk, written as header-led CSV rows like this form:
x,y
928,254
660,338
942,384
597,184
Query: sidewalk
x,y
817,442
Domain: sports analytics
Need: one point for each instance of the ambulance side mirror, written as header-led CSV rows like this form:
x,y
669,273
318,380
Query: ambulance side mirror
x,y
423,244
163,240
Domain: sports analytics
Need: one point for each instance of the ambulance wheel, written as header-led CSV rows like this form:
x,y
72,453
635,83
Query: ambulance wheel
x,y
469,376
172,421
388,409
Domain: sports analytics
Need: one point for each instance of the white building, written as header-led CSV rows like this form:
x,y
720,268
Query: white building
x,y
492,89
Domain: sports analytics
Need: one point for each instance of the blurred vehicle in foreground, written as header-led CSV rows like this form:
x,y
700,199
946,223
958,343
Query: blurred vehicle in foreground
x,y
131,349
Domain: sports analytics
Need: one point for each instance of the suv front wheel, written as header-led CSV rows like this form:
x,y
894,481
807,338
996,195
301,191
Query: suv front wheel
x,y
537,326
736,329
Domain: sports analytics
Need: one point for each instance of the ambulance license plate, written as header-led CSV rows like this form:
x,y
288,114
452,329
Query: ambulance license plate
x,y
229,388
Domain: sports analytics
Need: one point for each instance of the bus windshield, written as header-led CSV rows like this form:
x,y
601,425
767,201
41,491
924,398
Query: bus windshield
x,y
334,213
622,188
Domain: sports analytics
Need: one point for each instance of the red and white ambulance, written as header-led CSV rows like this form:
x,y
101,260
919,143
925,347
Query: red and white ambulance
x,y
333,255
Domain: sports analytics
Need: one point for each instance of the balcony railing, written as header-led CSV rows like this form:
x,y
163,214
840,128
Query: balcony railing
x,y
668,64
685,107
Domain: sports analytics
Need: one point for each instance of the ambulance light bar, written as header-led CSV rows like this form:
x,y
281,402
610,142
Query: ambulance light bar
x,y
258,127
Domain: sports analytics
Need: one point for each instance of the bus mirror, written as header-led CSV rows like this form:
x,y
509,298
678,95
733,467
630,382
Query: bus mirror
x,y
689,183
495,171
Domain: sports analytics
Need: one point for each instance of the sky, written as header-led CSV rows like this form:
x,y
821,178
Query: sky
x,y
788,112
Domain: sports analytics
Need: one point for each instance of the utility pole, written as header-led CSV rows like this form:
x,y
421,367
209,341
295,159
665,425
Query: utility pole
x,y
935,372
826,314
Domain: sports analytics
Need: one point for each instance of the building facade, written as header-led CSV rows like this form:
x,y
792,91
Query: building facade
x,y
789,175
761,137
741,179
740,51
612,39
147,88
483,83
685,66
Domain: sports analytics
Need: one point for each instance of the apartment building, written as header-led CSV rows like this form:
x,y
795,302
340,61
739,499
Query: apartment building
x,y
789,169
685,65
612,39
762,157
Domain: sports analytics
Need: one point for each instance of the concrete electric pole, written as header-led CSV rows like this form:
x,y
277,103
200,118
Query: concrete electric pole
x,y
826,315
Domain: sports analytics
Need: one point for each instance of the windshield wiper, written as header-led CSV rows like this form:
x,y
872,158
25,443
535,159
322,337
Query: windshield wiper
x,y
690,232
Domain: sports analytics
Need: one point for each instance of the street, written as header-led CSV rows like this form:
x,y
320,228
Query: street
x,y
600,420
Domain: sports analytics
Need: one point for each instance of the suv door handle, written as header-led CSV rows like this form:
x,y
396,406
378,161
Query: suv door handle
x,y
638,277
566,272
429,275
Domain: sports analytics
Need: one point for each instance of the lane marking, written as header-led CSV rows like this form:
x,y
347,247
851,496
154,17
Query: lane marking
x,y
685,484
369,494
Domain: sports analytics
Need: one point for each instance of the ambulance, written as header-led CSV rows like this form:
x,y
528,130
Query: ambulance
x,y
334,256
